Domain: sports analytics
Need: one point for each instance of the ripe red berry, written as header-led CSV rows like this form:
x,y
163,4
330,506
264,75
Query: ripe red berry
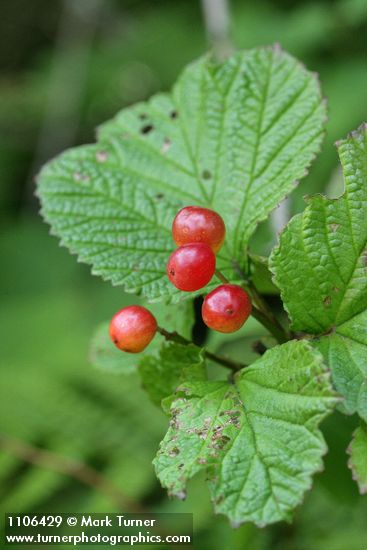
x,y
132,328
191,266
194,224
226,308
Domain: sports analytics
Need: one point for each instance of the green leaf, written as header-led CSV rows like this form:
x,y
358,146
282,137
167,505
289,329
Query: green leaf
x,y
234,136
346,351
257,438
358,457
175,364
320,266
261,275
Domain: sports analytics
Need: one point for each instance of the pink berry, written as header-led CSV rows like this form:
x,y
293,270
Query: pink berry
x,y
191,266
194,224
132,328
226,308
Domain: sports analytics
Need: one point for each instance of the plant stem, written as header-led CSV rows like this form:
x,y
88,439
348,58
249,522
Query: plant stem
x,y
228,363
262,312
275,329
221,277
67,466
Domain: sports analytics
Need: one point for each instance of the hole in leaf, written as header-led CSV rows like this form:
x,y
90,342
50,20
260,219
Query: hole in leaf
x,y
159,196
173,114
147,129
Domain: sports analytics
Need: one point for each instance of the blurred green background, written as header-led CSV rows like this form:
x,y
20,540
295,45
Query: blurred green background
x,y
66,66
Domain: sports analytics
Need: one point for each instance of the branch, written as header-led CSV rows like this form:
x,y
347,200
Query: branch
x,y
217,23
69,467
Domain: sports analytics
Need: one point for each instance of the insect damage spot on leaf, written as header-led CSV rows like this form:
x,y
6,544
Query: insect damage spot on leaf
x,y
174,452
166,145
147,129
173,114
206,175
78,176
327,301
101,156
143,116
334,227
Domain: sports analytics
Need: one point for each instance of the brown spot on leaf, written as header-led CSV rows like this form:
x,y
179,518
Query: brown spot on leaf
x,y
174,452
327,301
334,227
206,175
166,145
101,156
78,176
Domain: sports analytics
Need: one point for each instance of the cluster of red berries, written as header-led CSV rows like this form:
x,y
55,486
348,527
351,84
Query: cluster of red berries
x,y
199,233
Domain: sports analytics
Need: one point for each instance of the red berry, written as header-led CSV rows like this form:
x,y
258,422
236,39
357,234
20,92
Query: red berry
x,y
132,328
194,224
191,266
226,308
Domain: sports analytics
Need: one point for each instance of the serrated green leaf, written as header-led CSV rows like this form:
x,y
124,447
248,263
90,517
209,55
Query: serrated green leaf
x,y
175,364
258,438
234,136
261,275
320,266
346,351
358,457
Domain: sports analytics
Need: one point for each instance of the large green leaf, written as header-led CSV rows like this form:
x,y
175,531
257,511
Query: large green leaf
x,y
346,351
175,364
258,438
320,266
235,136
358,457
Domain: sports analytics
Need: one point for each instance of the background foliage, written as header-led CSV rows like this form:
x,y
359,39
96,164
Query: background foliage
x,y
66,67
